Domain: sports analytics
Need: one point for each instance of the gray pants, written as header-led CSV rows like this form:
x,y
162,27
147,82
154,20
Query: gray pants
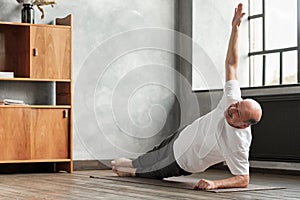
x,y
159,162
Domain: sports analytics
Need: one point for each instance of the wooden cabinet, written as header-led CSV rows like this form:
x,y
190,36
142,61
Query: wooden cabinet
x,y
14,134
35,51
49,133
50,48
37,54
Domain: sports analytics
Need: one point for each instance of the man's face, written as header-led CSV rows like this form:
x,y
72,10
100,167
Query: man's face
x,y
237,114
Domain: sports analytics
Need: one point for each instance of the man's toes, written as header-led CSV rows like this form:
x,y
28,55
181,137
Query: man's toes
x,y
114,169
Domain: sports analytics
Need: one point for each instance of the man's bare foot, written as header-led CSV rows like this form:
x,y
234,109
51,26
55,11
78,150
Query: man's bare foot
x,y
125,171
114,169
122,162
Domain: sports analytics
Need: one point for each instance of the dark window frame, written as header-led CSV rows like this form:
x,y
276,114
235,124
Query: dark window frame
x,y
265,52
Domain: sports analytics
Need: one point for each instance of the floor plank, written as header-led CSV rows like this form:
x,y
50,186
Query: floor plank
x,y
79,186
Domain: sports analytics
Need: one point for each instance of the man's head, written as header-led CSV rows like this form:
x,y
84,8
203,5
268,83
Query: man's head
x,y
242,114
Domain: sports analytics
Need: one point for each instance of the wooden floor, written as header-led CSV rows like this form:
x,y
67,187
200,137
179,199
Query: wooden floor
x,y
79,186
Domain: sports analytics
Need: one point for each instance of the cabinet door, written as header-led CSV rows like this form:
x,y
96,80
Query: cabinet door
x,y
14,133
50,134
51,52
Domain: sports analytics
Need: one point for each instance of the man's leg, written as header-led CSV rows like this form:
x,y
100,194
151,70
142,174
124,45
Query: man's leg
x,y
157,164
158,154
148,159
166,167
167,140
163,169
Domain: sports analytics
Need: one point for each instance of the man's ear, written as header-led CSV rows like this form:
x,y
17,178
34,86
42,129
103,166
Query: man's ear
x,y
245,125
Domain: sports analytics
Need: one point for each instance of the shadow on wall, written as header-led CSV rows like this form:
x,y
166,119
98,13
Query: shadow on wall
x,y
10,11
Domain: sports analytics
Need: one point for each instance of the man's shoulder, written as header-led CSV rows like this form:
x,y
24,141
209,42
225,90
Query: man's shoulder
x,y
234,139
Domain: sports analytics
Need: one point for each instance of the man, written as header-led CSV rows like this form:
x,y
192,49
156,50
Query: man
x,y
224,134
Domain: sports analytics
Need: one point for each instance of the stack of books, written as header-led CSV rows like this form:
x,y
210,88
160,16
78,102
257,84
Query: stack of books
x,y
6,74
11,102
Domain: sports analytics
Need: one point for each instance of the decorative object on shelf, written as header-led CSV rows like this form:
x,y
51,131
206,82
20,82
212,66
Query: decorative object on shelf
x,y
39,3
27,12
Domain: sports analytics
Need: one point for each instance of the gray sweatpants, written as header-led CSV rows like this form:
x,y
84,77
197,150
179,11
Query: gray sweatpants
x,y
159,162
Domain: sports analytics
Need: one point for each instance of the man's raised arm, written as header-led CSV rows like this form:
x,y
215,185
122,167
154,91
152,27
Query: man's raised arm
x,y
231,63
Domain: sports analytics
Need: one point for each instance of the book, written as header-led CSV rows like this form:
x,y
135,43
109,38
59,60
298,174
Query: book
x,y
11,102
6,74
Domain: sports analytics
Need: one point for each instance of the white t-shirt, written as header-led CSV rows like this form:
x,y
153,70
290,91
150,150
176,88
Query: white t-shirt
x,y
210,139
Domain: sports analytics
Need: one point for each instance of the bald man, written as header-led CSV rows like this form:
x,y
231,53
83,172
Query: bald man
x,y
224,134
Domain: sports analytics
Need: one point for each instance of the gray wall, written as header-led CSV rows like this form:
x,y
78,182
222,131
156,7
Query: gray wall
x,y
204,101
123,70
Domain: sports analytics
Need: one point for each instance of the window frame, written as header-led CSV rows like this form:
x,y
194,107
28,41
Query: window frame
x,y
265,52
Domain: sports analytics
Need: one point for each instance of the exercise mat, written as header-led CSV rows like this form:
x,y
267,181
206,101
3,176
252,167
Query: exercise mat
x,y
183,183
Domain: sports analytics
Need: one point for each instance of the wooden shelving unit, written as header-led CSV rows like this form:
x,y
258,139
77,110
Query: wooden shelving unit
x,y
38,133
35,79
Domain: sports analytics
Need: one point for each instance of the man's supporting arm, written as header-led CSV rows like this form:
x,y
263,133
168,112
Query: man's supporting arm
x,y
239,181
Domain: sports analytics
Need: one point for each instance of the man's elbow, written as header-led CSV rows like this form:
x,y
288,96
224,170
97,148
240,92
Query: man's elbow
x,y
231,62
244,181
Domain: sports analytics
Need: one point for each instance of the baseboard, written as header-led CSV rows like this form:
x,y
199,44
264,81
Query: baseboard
x,y
293,168
256,166
269,167
79,165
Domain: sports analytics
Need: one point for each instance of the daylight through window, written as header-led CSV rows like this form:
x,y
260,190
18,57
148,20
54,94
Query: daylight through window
x,y
273,42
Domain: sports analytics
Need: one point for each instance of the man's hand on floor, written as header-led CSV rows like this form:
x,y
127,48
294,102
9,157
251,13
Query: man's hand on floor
x,y
205,184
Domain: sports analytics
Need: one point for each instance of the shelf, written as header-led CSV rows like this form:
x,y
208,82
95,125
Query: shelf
x,y
35,161
37,106
40,57
35,79
51,106
38,25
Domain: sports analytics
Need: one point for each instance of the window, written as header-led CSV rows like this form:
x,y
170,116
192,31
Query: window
x,y
273,42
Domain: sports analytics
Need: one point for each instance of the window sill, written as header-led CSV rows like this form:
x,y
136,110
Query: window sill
x,y
271,90
283,90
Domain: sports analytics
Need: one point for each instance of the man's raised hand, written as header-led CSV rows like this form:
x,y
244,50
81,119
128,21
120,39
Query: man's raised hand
x,y
238,15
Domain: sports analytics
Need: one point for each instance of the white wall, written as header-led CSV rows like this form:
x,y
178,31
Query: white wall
x,y
211,32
